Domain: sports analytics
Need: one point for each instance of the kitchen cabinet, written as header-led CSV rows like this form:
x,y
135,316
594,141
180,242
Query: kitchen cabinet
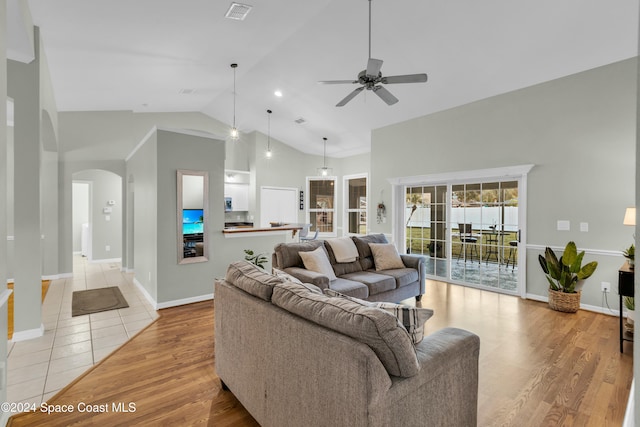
x,y
239,194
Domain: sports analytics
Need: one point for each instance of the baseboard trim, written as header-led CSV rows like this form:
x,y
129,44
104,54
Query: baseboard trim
x,y
146,294
28,334
594,308
184,301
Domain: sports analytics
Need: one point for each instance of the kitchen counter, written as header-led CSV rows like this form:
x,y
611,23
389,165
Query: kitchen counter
x,y
244,231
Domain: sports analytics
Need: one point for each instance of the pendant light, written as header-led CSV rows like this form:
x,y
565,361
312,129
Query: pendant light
x,y
324,170
234,130
269,153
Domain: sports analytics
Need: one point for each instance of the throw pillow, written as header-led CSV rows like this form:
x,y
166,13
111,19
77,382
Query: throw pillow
x,y
412,318
385,256
318,261
343,249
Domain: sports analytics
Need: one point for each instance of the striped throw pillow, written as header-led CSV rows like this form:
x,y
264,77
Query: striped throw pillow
x,y
412,318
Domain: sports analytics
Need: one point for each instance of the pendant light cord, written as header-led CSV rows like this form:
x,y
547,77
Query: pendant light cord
x,y
324,154
269,131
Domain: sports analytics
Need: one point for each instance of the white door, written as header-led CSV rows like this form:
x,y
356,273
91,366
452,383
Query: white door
x,y
278,204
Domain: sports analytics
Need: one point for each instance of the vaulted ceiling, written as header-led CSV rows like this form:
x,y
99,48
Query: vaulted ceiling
x,y
162,55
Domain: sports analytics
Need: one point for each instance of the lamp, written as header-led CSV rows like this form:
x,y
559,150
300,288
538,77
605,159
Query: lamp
x,y
629,216
269,153
324,170
234,131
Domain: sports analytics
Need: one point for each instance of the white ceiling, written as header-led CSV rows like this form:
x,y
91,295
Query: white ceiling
x,y
138,55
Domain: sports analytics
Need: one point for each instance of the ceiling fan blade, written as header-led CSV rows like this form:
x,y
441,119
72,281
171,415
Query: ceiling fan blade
x,y
385,95
337,82
408,78
373,67
349,97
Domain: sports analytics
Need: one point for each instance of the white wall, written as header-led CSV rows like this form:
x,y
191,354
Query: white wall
x,y
80,212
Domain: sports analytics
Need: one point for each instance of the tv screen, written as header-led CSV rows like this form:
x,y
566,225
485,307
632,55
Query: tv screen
x,y
192,221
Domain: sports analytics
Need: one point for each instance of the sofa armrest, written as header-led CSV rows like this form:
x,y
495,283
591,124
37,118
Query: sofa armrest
x,y
418,262
445,391
308,276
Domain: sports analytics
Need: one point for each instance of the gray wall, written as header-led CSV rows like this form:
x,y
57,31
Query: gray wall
x,y
580,133
80,192
142,170
3,194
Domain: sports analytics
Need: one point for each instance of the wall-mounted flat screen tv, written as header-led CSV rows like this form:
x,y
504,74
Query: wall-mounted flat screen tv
x,y
192,221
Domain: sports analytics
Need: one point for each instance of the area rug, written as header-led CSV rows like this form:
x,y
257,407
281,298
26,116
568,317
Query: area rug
x,y
97,300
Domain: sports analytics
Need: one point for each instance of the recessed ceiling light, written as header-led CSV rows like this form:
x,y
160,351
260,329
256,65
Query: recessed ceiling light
x,y
278,93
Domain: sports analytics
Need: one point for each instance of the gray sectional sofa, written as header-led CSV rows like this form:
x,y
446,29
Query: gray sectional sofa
x,y
358,278
296,357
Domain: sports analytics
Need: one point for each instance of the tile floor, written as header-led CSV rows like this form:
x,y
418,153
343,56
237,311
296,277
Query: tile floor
x,y
39,368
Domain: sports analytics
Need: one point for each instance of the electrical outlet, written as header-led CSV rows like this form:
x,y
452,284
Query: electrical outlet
x,y
107,248
606,286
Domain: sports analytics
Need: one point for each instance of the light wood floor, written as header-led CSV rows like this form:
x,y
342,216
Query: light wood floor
x,y
537,368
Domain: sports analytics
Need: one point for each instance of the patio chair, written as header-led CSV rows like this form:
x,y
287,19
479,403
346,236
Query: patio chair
x,y
468,240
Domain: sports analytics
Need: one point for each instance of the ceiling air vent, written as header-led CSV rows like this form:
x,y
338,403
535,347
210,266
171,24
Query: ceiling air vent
x,y
187,91
300,120
238,11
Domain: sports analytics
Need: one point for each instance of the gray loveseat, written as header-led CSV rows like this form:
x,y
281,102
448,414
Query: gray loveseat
x,y
295,357
357,278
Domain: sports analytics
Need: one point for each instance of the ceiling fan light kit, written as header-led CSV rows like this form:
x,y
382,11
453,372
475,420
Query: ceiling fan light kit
x,y
371,78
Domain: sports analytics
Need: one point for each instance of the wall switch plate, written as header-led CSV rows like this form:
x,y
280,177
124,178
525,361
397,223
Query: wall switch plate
x,y
107,248
606,286
584,227
564,225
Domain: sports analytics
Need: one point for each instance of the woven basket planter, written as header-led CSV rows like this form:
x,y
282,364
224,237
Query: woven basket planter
x,y
562,301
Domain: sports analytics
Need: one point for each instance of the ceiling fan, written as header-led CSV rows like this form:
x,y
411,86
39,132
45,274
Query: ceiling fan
x,y
371,78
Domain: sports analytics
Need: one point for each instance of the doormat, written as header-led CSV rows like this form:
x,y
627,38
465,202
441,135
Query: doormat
x,y
97,300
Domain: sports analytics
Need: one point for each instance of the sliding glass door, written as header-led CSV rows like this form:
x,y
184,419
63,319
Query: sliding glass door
x,y
468,231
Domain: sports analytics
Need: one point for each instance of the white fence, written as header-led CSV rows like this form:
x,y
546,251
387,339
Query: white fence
x,y
479,217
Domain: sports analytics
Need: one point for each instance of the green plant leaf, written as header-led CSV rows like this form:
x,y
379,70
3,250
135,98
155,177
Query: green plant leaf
x,y
586,271
577,263
569,255
543,264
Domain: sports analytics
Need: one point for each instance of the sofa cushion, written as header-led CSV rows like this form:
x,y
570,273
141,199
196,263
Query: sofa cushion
x,y
252,279
287,254
318,261
411,318
376,283
350,287
385,256
344,249
403,276
341,268
376,328
364,251
289,278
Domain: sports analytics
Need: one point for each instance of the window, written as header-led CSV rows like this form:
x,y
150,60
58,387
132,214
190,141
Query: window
x,y
355,202
321,204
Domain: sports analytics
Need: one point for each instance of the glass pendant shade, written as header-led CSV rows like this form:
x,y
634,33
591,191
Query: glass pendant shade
x,y
234,134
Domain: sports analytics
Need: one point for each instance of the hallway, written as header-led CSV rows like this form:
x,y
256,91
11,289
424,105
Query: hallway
x,y
39,368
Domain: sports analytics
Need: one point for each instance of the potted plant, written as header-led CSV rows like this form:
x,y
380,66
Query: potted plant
x,y
564,275
630,305
630,254
258,259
